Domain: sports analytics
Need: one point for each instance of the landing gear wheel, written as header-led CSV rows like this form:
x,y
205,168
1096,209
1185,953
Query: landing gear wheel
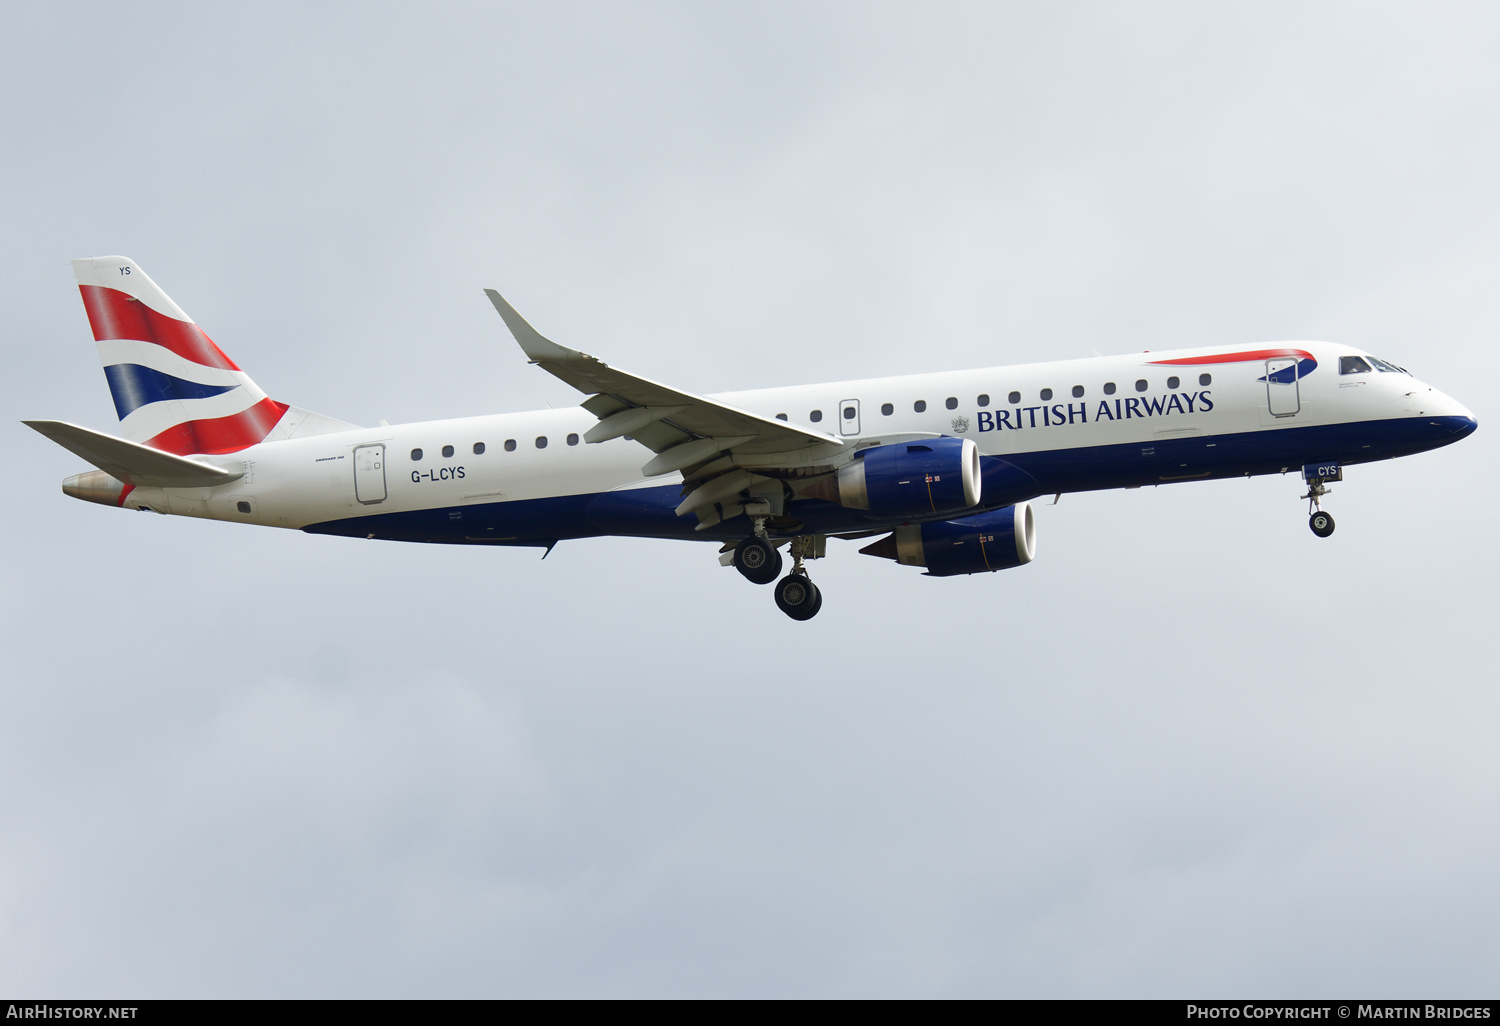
x,y
798,597
757,560
1321,524
817,603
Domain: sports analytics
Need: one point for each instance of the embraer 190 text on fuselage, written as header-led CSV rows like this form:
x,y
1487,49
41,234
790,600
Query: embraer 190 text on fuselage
x,y
937,468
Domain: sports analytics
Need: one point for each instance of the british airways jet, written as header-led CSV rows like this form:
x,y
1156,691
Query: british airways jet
x,y
938,469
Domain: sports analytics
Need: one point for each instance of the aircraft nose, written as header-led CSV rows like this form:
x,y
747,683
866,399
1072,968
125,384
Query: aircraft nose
x,y
1456,411
1427,401
1452,415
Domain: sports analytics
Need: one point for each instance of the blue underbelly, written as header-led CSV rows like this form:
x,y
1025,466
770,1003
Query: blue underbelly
x,y
649,512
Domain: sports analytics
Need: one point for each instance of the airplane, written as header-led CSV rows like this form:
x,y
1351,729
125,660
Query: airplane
x,y
940,469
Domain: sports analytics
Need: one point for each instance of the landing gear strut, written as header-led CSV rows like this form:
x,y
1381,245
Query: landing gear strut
x,y
1316,474
796,595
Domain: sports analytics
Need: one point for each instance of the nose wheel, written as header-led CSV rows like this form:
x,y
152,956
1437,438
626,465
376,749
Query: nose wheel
x,y
1316,474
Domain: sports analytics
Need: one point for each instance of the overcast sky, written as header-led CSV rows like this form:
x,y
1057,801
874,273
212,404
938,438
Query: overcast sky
x,y
1190,750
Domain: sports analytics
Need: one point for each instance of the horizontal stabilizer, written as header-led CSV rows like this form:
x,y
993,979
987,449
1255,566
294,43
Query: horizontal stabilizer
x,y
130,462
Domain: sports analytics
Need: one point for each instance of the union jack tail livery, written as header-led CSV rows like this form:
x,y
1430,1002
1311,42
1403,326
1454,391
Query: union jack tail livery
x,y
173,389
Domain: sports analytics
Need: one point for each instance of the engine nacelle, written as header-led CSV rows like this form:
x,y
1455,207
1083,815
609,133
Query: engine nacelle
x,y
974,545
940,475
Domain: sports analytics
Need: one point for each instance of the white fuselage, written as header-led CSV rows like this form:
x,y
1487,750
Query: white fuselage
x,y
1184,414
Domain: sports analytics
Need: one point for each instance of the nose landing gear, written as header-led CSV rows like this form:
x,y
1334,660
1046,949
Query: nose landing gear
x,y
1316,475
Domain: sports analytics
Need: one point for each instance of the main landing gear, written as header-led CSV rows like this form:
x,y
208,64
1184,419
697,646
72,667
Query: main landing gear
x,y
1317,475
757,560
759,563
798,597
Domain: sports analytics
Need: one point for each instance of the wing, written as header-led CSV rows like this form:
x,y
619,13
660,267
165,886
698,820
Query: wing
x,y
716,446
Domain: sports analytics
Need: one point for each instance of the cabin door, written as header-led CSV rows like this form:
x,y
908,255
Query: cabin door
x,y
1282,397
369,474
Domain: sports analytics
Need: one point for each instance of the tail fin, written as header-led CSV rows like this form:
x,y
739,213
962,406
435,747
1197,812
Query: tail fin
x,y
173,388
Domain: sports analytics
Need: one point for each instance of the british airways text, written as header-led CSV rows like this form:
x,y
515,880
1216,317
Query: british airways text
x,y
1078,413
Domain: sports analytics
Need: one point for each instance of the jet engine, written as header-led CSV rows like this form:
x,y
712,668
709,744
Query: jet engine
x,y
979,544
939,475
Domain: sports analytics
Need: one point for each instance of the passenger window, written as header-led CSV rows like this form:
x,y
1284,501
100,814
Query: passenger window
x,y
1077,391
478,448
243,507
920,406
1140,386
1046,394
886,409
510,445
983,401
1353,365
815,416
781,416
541,441
952,403
848,413
416,455
447,451
1205,379
1015,398
1173,382
572,439
1109,388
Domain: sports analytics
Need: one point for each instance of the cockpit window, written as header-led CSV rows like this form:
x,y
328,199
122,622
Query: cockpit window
x,y
1353,365
1387,368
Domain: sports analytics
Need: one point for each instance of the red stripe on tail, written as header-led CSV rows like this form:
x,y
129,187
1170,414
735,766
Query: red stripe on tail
x,y
221,434
113,314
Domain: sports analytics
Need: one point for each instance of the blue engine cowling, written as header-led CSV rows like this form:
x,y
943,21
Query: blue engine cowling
x,y
939,475
974,545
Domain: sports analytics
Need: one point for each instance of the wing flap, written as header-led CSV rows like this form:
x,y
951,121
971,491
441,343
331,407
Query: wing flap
x,y
658,437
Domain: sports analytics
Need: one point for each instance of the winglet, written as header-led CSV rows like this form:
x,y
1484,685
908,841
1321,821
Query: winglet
x,y
537,348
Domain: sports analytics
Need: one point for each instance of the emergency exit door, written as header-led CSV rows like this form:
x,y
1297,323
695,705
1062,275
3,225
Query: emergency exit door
x,y
369,474
1282,397
849,417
